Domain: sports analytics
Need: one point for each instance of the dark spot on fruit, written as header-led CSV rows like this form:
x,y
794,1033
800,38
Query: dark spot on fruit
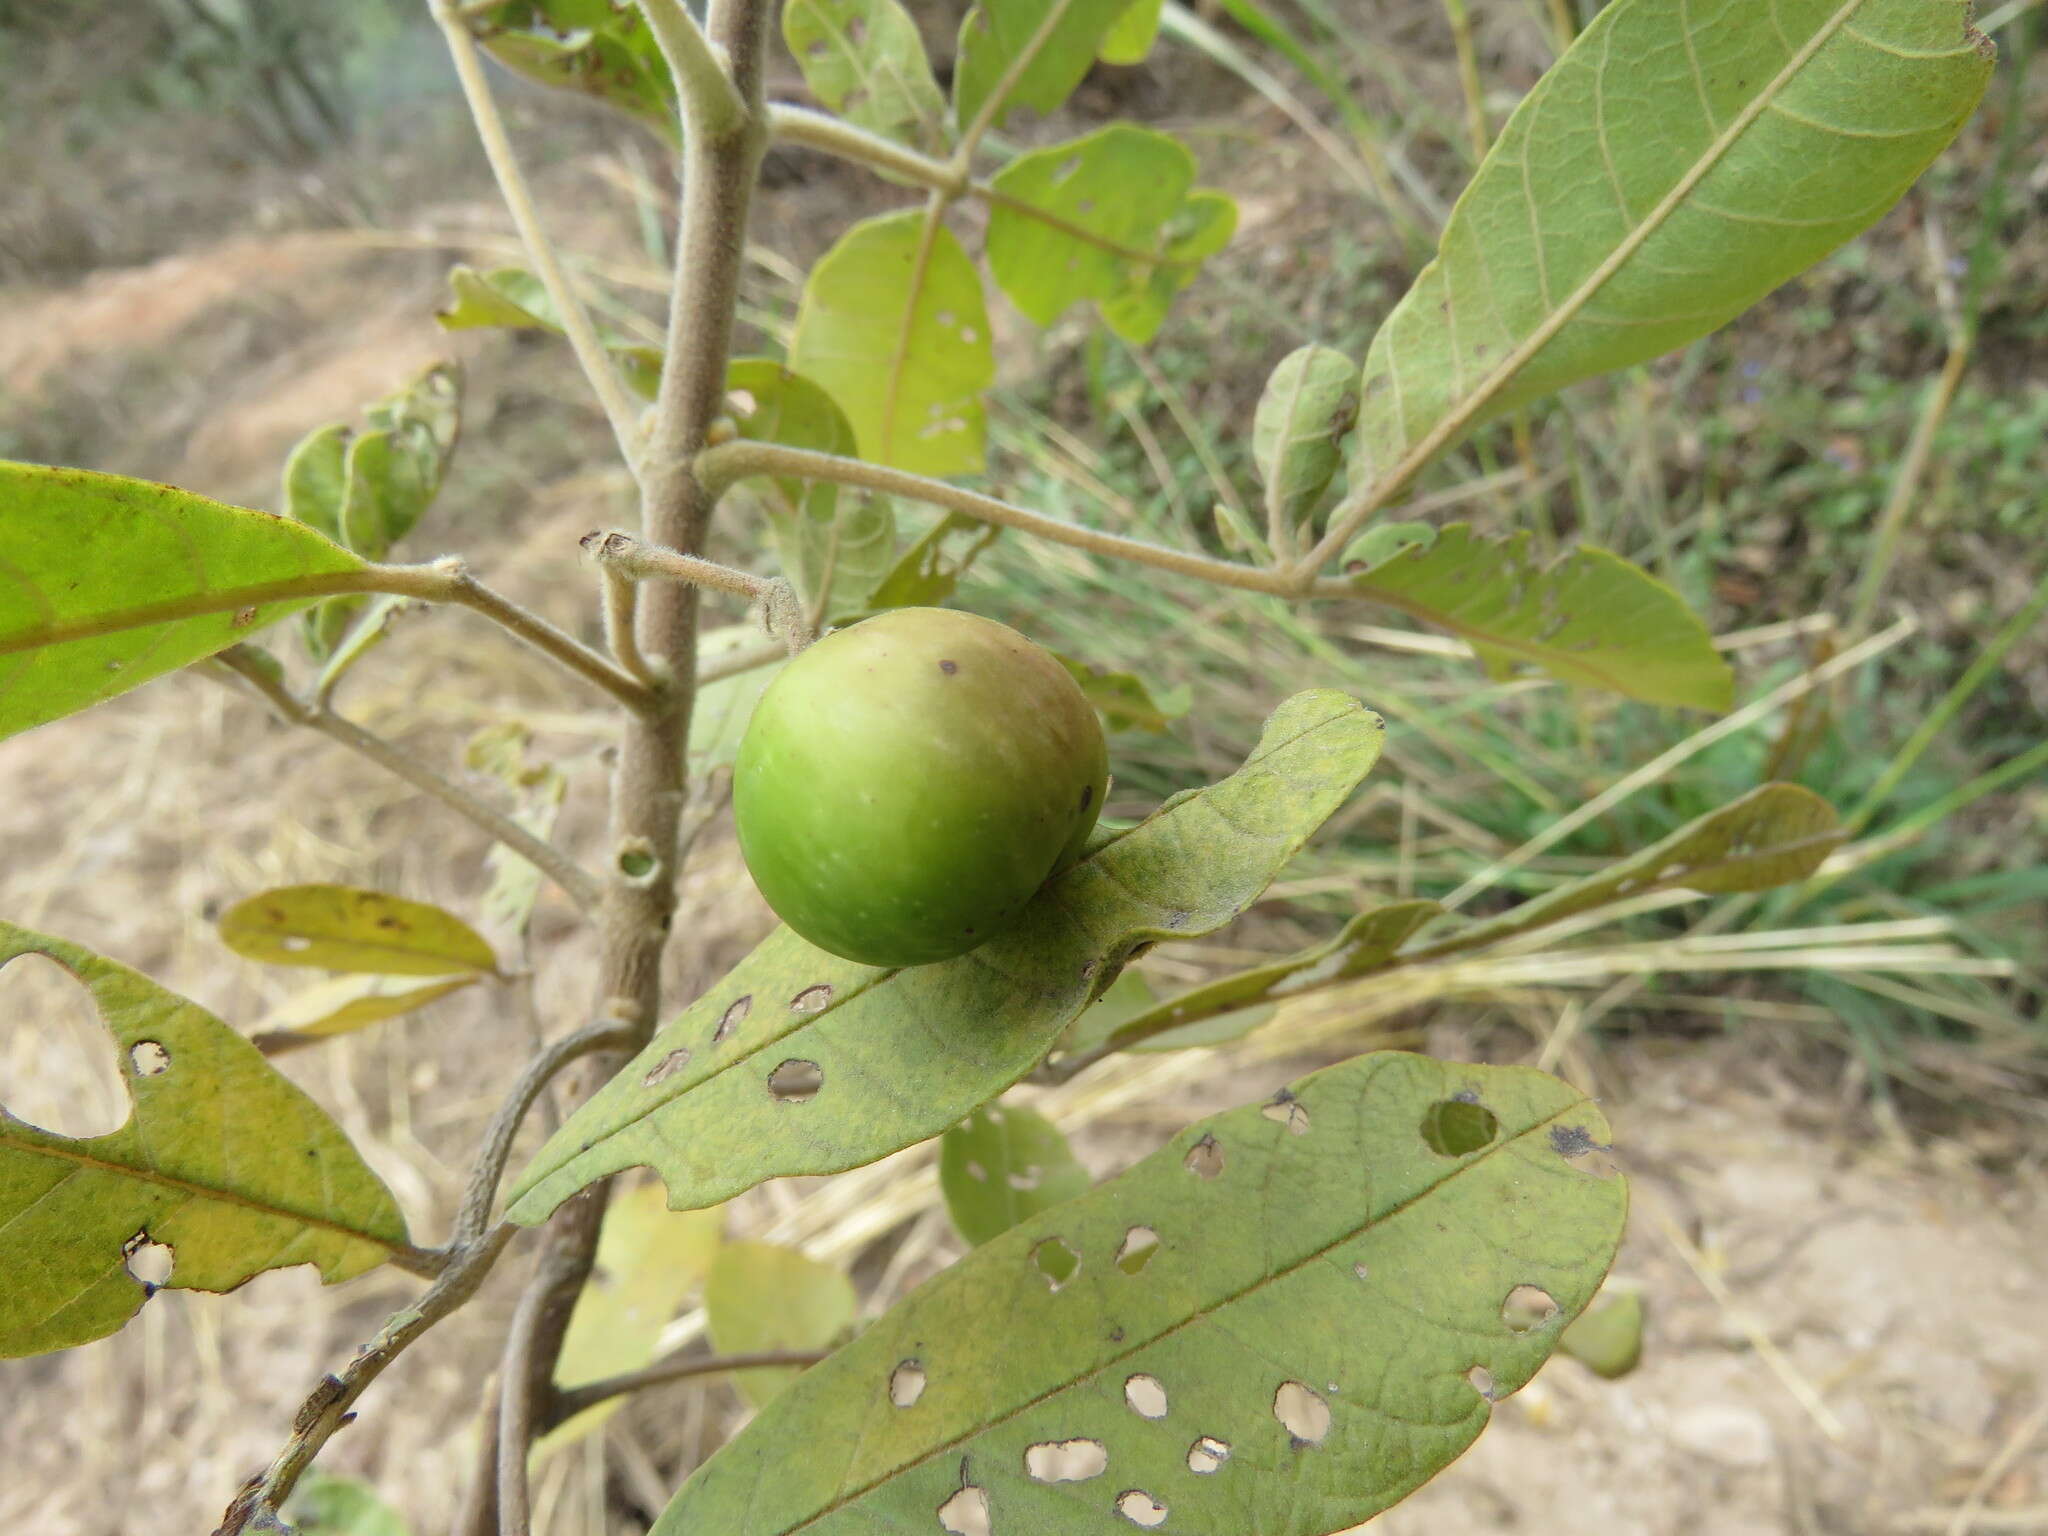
x,y
1087,794
949,667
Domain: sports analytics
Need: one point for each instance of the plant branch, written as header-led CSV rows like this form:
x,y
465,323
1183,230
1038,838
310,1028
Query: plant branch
x,y
710,101
578,883
570,1401
836,136
730,462
621,620
590,352
629,559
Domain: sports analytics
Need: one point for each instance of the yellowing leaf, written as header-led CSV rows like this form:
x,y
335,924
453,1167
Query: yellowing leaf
x,y
342,928
763,1297
346,1003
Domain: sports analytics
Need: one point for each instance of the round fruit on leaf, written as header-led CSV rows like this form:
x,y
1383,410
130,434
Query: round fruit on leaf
x,y
906,784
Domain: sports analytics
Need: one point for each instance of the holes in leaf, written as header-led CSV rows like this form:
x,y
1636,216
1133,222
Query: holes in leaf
x,y
906,1383
977,1173
1287,1110
1207,1454
1024,1178
1527,1308
1575,1144
1482,1381
1205,1158
1361,1271
149,1262
1055,1261
149,1058
1458,1127
811,999
1140,1508
1065,1461
59,1070
728,1021
1302,1413
295,943
1140,1243
966,1513
666,1068
796,1082
742,402
1146,1396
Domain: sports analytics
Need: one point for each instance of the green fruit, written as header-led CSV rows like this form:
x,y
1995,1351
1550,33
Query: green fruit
x,y
906,784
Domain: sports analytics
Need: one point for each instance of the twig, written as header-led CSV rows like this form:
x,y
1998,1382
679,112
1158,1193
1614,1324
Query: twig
x,y
709,99
630,559
580,885
327,1408
621,616
595,361
570,1401
836,136
738,662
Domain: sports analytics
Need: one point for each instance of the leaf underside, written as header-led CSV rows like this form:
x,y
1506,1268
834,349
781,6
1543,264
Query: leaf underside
x,y
1293,1357
892,1057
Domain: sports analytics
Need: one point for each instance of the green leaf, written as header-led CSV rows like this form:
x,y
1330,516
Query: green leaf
x,y
1302,1349
1125,998
327,1505
1589,619
1092,219
1131,36
506,298
836,550
649,1260
1607,1338
723,708
343,928
1002,1164
347,1003
1774,835
1027,53
110,582
316,479
1203,226
893,325
593,46
1669,171
799,1062
761,1297
925,575
1235,1005
223,1161
771,403
1310,403
865,61
1124,701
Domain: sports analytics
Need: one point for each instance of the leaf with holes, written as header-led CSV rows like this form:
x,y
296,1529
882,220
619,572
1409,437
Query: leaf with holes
x,y
1330,1306
1130,38
894,327
800,1062
222,1161
593,46
1774,835
1201,228
344,1004
1089,219
1310,403
109,582
1027,53
865,61
1001,1164
1783,128
649,1261
1124,701
1589,619
763,1297
343,928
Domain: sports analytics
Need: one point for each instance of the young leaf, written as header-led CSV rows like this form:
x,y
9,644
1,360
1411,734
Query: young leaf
x,y
343,928
760,1297
925,575
327,1505
223,1161
110,582
1131,36
1027,53
504,298
1090,219
893,325
1589,619
346,1003
864,60
649,1260
1309,404
1123,700
316,479
1669,171
1318,1330
1607,1339
799,1062
1002,1164
593,46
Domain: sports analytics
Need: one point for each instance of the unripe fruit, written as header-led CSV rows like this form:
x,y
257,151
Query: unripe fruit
x,y
906,784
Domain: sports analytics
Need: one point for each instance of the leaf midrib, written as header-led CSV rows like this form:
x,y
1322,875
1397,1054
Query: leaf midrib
x,y
1193,1317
